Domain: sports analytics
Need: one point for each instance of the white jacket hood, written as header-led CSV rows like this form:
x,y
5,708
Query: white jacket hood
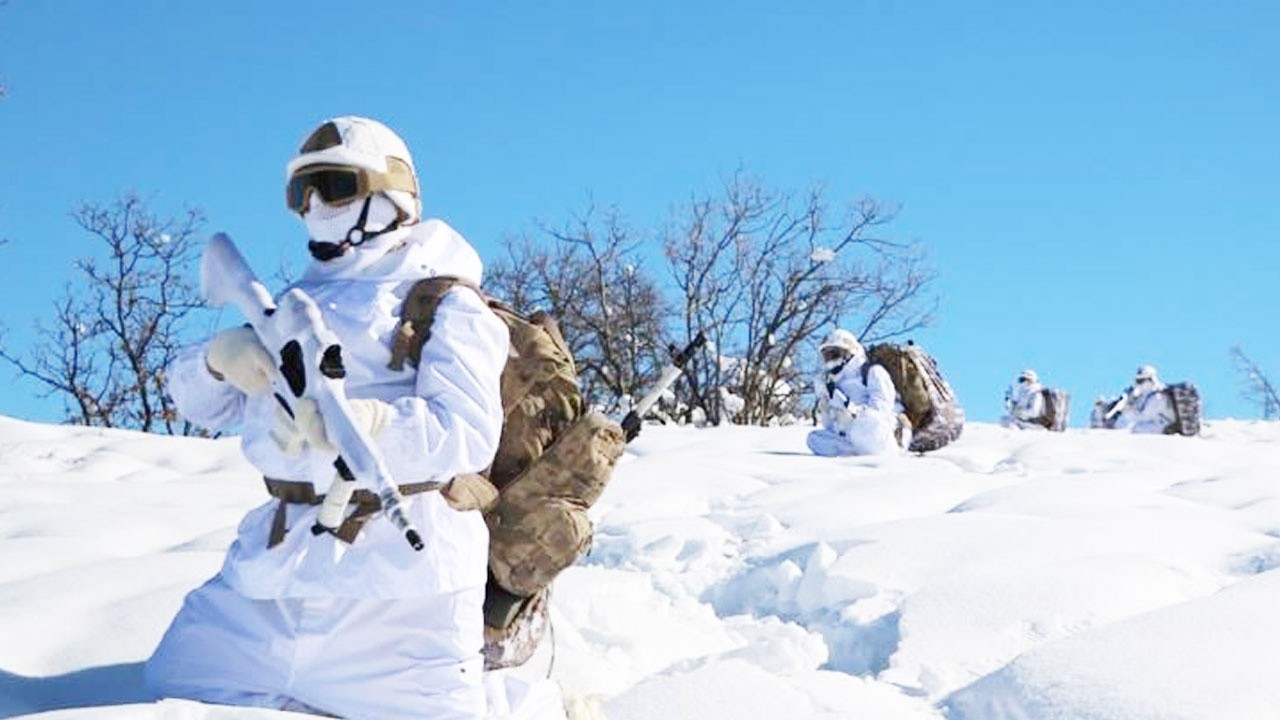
x,y
420,251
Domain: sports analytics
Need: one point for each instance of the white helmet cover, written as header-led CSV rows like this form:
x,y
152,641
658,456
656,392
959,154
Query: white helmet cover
x,y
352,141
846,341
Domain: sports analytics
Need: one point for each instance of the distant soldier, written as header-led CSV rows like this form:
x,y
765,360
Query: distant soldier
x,y
1024,402
856,402
1030,405
1147,406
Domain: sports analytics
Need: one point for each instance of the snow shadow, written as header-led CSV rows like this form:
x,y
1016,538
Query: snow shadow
x,y
92,687
862,649
797,587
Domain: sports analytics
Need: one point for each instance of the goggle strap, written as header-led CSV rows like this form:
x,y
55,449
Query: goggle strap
x,y
397,177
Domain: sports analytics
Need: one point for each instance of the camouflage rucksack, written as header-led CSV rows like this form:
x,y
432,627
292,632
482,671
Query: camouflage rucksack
x,y
927,400
1056,405
1185,400
553,461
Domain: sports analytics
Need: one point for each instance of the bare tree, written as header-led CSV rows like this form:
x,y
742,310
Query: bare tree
x,y
590,277
115,331
761,273
1258,388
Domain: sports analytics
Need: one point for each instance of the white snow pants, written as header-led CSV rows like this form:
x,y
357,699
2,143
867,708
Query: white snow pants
x,y
354,657
867,435
829,444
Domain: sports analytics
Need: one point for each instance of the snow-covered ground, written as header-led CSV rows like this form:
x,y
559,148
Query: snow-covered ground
x,y
1084,575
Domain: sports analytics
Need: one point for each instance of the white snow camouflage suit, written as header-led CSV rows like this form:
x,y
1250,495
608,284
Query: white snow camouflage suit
x,y
857,418
372,629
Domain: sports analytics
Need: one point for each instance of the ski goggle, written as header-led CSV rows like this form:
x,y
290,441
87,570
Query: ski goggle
x,y
834,353
342,184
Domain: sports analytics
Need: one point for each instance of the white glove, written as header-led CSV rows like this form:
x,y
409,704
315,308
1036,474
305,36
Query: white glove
x,y
470,492
237,356
845,413
306,427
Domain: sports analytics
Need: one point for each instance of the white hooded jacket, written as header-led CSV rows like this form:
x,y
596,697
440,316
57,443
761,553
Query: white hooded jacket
x,y
1147,409
858,418
1026,405
446,420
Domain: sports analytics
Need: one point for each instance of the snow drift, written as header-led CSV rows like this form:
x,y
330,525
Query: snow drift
x,y
1084,575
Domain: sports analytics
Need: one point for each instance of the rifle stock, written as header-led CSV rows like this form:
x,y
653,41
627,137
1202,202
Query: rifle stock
x,y
631,423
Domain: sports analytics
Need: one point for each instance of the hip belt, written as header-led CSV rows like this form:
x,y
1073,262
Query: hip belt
x,y
366,504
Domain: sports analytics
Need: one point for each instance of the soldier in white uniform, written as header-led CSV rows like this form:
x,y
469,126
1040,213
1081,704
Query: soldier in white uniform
x,y
1146,405
856,405
362,627
1024,402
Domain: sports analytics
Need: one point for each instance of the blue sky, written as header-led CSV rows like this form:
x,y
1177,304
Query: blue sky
x,y
1098,183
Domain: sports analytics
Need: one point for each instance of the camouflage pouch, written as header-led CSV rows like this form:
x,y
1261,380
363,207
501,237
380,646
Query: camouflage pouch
x,y
540,525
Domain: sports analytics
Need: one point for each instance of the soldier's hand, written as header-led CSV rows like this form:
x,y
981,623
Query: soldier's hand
x,y
631,426
470,492
307,427
236,356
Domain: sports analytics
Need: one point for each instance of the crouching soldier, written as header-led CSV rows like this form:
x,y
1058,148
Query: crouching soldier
x,y
856,402
1145,406
1024,402
355,622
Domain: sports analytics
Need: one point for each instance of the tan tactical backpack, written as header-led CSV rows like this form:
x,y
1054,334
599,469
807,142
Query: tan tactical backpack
x,y
553,461
928,401
1056,404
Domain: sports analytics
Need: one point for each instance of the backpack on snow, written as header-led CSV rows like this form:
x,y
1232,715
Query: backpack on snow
x,y
928,402
553,461
1185,400
1056,406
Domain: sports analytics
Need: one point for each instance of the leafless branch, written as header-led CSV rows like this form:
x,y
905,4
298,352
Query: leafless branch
x,y
763,272
610,311
1257,387
112,336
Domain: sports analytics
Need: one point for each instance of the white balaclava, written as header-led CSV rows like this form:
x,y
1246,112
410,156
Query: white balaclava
x,y
843,340
332,223
328,228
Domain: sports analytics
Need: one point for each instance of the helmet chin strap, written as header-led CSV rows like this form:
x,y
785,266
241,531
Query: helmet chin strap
x,y
356,236
834,370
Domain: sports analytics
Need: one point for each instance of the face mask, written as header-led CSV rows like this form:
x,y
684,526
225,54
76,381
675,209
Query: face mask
x,y
332,223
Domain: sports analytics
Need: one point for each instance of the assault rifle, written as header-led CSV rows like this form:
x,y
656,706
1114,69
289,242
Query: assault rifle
x,y
845,401
1120,404
310,367
631,423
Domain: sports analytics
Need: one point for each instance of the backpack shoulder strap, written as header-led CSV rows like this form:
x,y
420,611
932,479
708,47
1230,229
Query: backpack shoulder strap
x,y
417,313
